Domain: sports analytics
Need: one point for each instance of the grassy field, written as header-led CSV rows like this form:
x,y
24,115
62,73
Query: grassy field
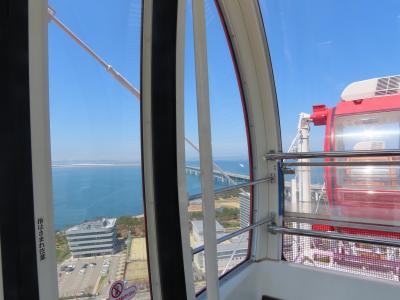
x,y
227,211
229,217
133,224
136,270
62,248
138,249
229,202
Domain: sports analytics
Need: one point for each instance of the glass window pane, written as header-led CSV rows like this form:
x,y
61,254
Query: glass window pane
x,y
338,90
95,143
232,214
229,144
230,254
372,260
231,158
372,131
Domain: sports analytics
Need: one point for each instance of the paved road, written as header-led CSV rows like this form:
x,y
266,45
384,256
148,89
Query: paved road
x,y
76,282
112,275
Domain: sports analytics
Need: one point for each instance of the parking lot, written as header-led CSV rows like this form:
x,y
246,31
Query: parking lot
x,y
90,276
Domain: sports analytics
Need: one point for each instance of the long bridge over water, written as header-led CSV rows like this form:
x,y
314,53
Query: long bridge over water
x,y
317,191
240,178
220,176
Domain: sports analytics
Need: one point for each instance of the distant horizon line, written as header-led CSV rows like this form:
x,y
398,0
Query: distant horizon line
x,y
109,163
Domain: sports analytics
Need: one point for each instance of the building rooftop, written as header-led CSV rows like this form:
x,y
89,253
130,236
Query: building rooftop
x,y
197,226
95,225
236,244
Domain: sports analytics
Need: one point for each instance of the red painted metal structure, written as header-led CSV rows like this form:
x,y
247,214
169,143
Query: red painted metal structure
x,y
368,123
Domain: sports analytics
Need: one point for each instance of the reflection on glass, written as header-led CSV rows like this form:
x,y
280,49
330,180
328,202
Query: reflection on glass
x,y
232,213
373,131
374,189
198,272
316,59
230,253
231,164
315,202
95,141
357,193
371,260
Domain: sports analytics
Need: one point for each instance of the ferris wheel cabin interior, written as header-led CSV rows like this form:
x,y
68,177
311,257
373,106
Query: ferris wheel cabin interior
x,y
200,149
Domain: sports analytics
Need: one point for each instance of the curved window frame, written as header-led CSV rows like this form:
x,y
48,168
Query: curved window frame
x,y
247,125
253,113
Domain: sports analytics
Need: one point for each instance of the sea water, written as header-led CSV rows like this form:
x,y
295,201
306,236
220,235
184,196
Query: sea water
x,y
88,192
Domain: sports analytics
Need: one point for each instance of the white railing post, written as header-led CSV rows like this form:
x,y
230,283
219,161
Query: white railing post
x,y
206,163
180,153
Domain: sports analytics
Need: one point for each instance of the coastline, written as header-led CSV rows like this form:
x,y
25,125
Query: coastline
x,y
139,216
83,165
84,190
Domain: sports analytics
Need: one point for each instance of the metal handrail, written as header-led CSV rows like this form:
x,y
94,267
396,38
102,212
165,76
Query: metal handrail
x,y
335,236
322,154
344,224
233,187
338,218
233,234
342,163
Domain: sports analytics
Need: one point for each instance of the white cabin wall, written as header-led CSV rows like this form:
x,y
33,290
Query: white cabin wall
x,y
289,281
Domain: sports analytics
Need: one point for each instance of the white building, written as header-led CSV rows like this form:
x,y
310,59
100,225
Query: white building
x,y
229,253
92,238
197,230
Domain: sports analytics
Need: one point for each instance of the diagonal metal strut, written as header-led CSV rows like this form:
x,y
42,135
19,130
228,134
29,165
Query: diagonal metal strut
x,y
117,76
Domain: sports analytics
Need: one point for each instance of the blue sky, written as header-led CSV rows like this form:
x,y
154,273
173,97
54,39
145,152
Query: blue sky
x,y
317,48
91,116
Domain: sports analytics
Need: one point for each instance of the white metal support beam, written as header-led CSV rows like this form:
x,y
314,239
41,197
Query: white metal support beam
x,y
40,147
147,152
181,161
116,75
246,31
206,165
